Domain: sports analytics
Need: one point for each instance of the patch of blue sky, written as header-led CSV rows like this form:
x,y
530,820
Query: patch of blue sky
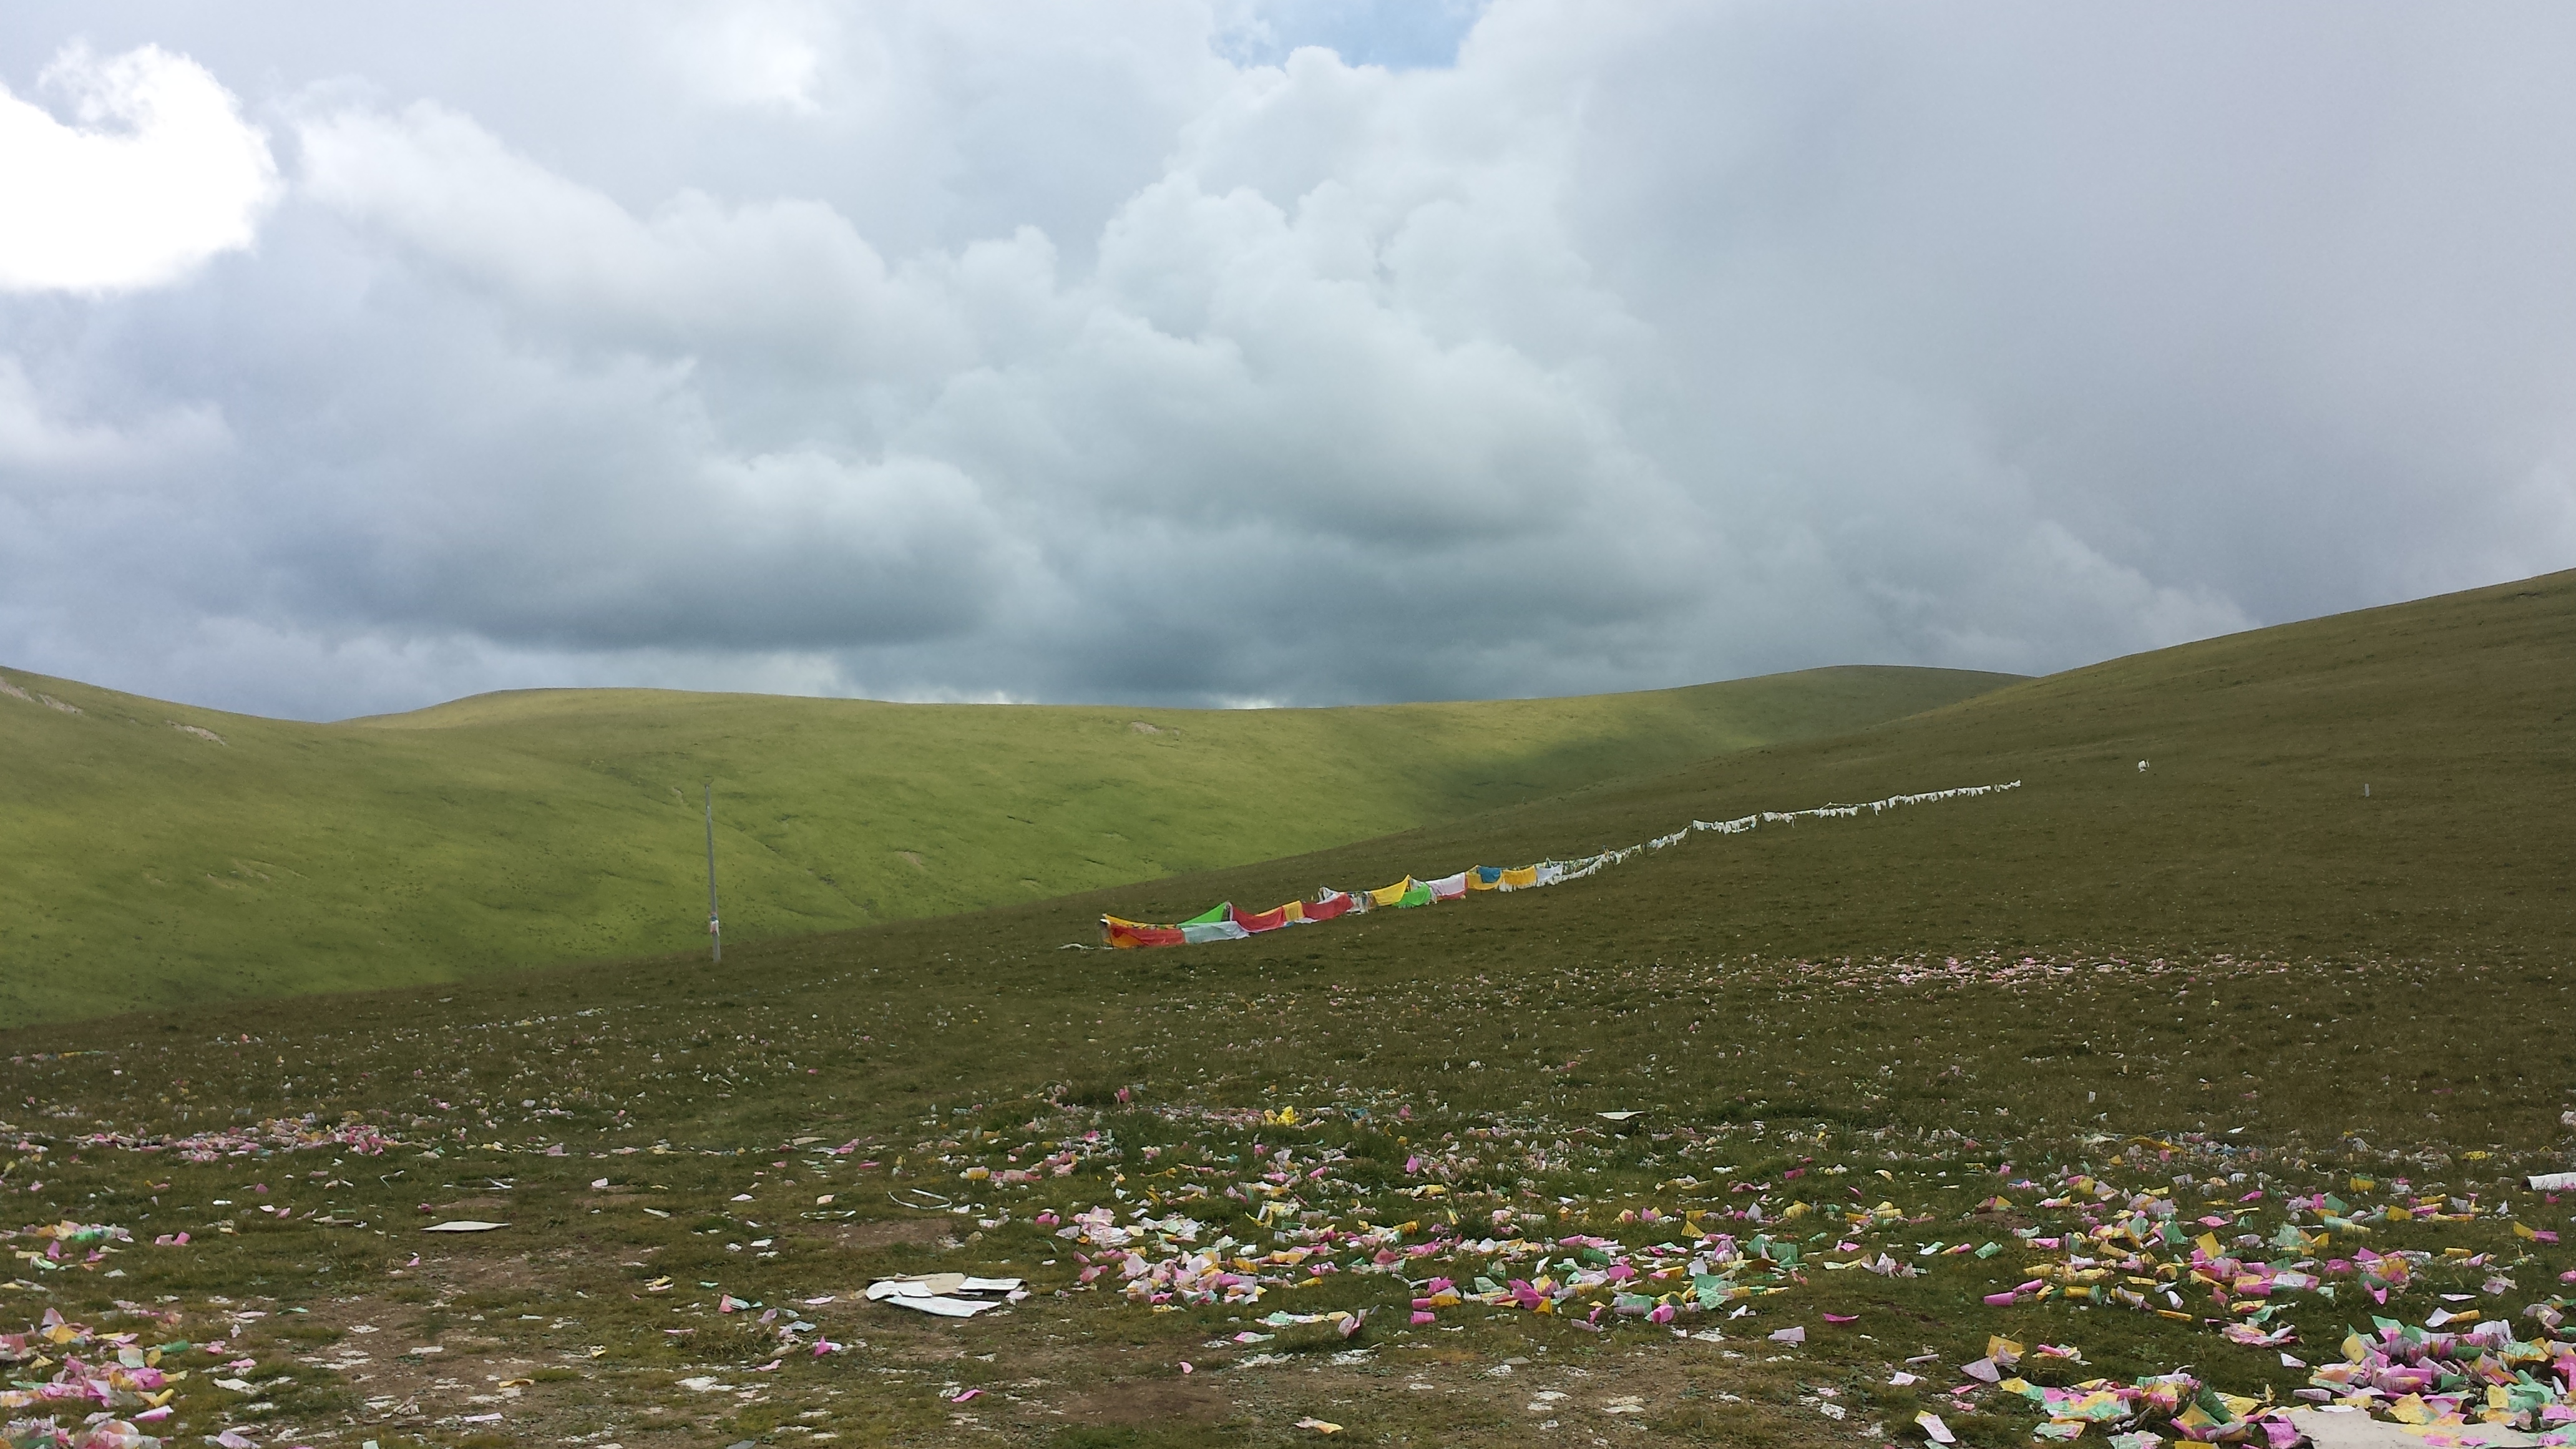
x,y
1397,34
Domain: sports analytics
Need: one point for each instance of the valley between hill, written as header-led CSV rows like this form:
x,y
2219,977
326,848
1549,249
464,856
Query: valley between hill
x,y
153,854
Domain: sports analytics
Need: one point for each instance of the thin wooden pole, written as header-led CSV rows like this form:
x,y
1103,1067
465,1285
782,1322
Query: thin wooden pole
x,y
715,927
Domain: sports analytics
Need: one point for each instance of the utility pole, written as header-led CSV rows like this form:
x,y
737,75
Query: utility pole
x,y
715,928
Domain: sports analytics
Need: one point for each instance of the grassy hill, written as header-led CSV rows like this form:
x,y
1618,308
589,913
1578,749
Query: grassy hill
x,y
2229,994
2247,832
153,854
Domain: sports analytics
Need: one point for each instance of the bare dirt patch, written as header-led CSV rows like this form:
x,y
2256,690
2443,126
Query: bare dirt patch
x,y
1150,1401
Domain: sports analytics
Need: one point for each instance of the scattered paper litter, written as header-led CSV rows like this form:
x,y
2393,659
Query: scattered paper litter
x,y
949,1295
463,1225
2328,1430
1320,1426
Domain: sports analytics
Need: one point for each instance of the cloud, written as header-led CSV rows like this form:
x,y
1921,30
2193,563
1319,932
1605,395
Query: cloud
x,y
761,56
156,173
986,350
785,274
1229,381
38,443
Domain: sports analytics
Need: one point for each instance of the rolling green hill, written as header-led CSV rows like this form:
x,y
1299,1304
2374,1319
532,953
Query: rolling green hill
x,y
154,854
2247,832
2229,990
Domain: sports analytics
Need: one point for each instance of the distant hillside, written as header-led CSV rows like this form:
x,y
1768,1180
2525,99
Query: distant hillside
x,y
2248,832
153,855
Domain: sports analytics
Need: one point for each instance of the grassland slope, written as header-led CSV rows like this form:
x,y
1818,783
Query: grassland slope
x,y
2360,1041
154,854
2396,780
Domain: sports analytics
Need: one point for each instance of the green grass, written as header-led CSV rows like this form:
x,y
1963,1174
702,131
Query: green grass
x,y
2247,833
2227,975
142,865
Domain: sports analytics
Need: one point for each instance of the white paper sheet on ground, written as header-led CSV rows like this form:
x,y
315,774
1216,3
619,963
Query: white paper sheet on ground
x,y
917,1285
2553,1181
934,1293
1617,1116
463,1225
944,1307
2329,1429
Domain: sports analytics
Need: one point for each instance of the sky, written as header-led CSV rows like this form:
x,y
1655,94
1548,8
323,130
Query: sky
x,y
1258,352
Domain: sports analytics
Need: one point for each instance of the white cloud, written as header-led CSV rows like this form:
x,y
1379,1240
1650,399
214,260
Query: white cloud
x,y
765,56
156,172
786,273
970,348
38,442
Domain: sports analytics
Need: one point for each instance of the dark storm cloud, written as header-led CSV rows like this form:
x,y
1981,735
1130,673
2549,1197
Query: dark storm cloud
x,y
958,351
